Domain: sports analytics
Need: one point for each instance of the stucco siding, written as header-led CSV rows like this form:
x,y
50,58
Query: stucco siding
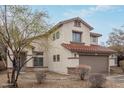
x,y
29,55
42,45
56,48
52,46
67,33
61,66
92,42
113,60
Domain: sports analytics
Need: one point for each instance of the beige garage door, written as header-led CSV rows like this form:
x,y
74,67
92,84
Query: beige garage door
x,y
99,64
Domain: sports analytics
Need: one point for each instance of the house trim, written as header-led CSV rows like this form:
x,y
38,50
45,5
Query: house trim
x,y
73,57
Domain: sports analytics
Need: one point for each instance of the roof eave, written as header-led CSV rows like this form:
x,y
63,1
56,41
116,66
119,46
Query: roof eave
x,y
95,34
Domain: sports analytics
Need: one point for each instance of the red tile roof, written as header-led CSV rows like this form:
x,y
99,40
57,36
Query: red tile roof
x,y
87,49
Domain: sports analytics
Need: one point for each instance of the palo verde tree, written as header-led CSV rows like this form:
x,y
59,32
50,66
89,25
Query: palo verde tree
x,y
19,27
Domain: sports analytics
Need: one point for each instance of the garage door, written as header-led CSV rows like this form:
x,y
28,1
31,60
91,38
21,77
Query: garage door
x,y
99,64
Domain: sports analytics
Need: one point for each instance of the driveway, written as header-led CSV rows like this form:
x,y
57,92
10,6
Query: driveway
x,y
116,78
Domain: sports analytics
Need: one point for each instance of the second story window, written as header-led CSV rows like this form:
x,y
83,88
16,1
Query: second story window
x,y
76,37
94,39
56,35
77,23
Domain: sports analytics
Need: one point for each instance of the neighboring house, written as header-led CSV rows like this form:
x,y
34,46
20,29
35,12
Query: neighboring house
x,y
113,60
69,44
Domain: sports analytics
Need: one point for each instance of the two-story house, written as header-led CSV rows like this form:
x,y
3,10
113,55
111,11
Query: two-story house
x,y
69,44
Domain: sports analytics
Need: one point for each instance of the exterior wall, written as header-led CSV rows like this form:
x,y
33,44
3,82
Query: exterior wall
x,y
61,66
56,48
91,40
67,32
50,48
42,46
66,57
113,60
29,54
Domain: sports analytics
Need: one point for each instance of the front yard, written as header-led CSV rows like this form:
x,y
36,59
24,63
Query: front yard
x,y
53,80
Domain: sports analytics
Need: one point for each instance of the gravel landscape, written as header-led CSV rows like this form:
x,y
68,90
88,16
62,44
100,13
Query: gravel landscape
x,y
54,80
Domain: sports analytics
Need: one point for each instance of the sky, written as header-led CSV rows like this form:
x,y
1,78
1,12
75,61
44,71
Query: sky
x,y
102,17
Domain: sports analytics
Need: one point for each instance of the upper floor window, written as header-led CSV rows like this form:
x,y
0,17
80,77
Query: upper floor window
x,y
94,39
76,36
56,35
77,23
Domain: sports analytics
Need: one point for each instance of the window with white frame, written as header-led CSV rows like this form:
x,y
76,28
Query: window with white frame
x,y
38,59
76,36
56,35
56,58
94,39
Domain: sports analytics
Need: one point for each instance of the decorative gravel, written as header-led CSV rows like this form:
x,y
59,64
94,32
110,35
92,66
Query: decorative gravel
x,y
54,80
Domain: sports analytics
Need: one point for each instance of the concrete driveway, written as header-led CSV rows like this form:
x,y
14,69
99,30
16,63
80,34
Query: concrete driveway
x,y
116,78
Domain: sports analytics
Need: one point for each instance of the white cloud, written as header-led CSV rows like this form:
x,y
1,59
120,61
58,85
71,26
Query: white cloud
x,y
89,11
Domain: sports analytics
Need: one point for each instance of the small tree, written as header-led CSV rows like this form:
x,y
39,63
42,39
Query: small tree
x,y
19,27
83,71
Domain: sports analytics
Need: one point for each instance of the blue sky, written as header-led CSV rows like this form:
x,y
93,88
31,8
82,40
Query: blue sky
x,y
102,18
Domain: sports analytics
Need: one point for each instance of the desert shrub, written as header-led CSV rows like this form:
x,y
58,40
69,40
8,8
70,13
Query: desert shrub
x,y
97,80
84,71
122,65
40,76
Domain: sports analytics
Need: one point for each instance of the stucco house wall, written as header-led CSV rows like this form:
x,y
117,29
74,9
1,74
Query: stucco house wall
x,y
67,29
56,48
66,57
92,42
51,47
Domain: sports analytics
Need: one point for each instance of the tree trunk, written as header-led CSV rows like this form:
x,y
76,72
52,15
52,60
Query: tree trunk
x,y
13,79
